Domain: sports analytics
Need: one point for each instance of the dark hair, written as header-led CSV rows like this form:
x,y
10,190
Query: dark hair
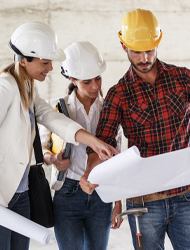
x,y
71,87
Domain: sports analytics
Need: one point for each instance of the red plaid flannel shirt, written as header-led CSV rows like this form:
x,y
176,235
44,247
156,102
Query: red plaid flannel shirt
x,y
155,119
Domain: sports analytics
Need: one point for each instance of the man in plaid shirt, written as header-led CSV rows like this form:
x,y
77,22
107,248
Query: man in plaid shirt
x,y
151,102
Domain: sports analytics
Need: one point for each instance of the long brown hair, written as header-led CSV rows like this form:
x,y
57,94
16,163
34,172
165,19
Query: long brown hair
x,y
25,85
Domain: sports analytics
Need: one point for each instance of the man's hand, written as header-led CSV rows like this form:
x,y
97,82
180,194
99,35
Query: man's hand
x,y
116,223
86,186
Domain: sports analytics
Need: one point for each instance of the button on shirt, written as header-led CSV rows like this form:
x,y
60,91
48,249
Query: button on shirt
x,y
155,119
78,153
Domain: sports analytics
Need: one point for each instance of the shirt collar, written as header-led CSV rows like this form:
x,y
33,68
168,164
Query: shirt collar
x,y
79,105
161,68
165,67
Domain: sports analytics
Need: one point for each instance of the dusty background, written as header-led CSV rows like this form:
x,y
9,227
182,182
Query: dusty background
x,y
97,21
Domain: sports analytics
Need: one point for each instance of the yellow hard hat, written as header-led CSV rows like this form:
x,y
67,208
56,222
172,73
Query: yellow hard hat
x,y
140,30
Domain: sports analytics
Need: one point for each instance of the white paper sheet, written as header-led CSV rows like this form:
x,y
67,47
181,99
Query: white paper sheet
x,y
21,225
128,175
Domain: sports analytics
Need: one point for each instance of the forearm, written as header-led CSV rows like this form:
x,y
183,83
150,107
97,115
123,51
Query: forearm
x,y
85,138
93,160
118,204
116,211
86,186
49,158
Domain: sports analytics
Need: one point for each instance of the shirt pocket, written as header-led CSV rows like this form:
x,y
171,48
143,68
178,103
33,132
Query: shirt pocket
x,y
176,102
141,114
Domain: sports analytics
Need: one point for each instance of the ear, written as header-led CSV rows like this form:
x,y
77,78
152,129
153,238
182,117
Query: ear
x,y
23,62
73,81
124,48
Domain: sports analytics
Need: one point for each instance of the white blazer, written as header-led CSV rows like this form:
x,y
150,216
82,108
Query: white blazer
x,y
15,133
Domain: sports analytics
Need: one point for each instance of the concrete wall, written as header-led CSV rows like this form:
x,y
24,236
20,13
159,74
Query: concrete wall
x,y
97,21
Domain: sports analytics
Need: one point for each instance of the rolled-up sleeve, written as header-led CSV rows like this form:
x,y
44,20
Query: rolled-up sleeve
x,y
55,122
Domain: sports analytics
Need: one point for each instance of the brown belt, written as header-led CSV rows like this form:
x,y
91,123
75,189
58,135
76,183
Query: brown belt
x,y
155,197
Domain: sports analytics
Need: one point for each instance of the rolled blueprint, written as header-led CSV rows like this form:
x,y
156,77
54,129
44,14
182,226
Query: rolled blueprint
x,y
24,226
128,175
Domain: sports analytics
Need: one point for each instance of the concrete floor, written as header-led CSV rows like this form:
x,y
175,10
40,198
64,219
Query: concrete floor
x,y
120,239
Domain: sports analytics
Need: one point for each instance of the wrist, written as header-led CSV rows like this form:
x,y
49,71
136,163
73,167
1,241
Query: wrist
x,y
86,174
52,158
118,204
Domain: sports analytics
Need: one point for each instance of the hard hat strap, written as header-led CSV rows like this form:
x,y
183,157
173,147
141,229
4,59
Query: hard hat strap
x,y
63,73
19,55
17,58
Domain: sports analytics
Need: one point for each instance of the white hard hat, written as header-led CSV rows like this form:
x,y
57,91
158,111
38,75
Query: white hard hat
x,y
35,39
83,61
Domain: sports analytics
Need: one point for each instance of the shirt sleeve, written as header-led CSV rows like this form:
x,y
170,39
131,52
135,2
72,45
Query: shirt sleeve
x,y
45,134
188,80
110,119
54,121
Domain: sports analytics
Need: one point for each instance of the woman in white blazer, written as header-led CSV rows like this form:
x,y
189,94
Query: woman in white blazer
x,y
82,221
35,46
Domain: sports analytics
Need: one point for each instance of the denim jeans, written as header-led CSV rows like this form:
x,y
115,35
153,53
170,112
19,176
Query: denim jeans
x,y
82,221
171,216
10,240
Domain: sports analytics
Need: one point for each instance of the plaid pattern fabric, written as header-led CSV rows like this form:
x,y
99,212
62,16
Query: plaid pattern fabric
x,y
155,119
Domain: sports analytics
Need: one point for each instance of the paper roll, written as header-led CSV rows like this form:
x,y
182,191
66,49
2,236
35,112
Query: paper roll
x,y
24,226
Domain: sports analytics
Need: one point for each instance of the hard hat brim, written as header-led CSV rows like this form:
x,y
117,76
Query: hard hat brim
x,y
142,46
59,56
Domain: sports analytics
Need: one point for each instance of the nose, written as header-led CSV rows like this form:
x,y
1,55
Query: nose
x,y
144,57
50,67
94,84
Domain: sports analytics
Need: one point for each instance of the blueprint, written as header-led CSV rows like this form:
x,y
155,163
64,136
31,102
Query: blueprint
x,y
128,175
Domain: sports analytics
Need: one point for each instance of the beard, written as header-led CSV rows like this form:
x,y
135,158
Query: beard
x,y
136,66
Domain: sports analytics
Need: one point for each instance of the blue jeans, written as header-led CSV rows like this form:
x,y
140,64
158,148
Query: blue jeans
x,y
82,221
10,240
171,216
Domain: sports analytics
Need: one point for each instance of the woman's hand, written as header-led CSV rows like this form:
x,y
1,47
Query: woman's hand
x,y
116,223
104,150
56,159
60,163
